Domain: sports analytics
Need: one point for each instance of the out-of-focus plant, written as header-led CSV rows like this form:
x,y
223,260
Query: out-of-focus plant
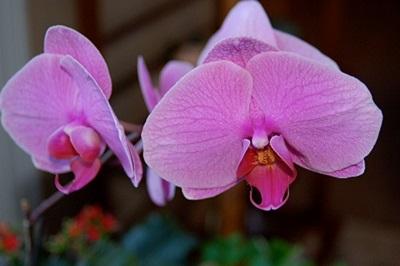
x,y
86,240
236,250
91,225
10,246
159,241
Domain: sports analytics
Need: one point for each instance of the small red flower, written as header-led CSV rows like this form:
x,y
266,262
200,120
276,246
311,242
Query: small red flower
x,y
9,241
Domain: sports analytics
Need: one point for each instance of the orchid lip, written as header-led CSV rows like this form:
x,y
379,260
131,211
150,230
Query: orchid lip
x,y
268,170
74,140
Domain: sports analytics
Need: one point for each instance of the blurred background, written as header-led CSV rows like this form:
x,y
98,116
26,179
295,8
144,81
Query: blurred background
x,y
357,220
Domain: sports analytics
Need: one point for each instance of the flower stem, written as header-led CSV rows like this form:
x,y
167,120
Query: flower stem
x,y
27,232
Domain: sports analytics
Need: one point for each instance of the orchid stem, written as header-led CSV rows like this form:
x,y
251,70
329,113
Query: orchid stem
x,y
45,205
27,232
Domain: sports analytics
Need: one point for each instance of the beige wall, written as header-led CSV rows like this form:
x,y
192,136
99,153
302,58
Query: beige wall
x,y
18,178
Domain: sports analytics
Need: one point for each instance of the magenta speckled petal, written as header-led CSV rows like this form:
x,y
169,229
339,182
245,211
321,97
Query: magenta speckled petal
x,y
66,41
35,102
150,94
328,118
99,114
237,50
171,73
193,138
160,191
291,43
246,19
84,173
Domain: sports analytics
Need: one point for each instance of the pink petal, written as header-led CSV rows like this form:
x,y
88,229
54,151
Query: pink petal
x,y
291,43
52,165
86,141
171,73
237,50
150,94
36,102
206,193
246,19
60,146
351,171
193,138
270,185
66,41
99,114
160,191
138,167
247,163
280,148
327,118
84,173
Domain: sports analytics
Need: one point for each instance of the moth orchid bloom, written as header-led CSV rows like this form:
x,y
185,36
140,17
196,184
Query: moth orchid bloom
x,y
160,190
248,27
56,109
253,112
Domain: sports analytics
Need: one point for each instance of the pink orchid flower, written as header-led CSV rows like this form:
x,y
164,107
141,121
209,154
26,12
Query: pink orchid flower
x,y
56,109
261,103
160,190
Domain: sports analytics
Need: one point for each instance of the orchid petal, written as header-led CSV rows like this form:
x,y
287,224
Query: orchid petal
x,y
66,41
160,191
37,101
150,94
291,43
52,165
246,19
84,173
237,50
99,114
247,163
193,137
351,171
280,148
138,167
206,193
171,73
327,118
86,141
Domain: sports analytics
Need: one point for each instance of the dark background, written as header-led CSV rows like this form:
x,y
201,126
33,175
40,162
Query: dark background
x,y
356,220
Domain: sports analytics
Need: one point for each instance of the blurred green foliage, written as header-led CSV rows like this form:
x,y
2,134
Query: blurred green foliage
x,y
235,250
159,241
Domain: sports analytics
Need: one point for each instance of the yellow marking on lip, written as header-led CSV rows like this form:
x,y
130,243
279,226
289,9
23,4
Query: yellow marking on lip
x,y
265,156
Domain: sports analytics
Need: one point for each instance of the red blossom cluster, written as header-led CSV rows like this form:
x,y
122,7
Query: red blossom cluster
x,y
9,241
92,223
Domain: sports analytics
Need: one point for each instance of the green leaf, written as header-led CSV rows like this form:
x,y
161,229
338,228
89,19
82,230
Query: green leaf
x,y
159,242
105,253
